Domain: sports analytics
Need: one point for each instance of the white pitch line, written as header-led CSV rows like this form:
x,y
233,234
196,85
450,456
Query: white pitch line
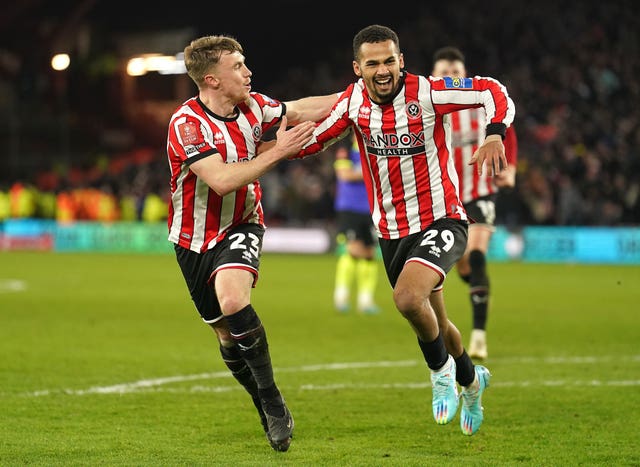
x,y
132,387
12,285
146,383
153,385
504,384
358,386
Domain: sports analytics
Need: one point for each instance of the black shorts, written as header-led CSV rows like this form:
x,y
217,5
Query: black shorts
x,y
482,210
240,249
438,247
355,226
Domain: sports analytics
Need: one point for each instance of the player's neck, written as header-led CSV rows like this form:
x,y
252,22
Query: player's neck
x,y
222,107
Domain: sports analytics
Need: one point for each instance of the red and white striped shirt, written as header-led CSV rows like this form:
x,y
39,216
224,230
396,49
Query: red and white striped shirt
x,y
405,145
467,133
198,217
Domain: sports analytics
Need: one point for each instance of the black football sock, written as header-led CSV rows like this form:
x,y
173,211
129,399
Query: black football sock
x,y
479,288
271,401
465,371
251,339
239,369
435,353
242,373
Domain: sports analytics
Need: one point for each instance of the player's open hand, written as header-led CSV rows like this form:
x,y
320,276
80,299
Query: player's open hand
x,y
490,156
290,141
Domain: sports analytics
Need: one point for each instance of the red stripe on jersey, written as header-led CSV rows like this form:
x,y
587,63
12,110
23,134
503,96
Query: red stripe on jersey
x,y
366,169
239,140
241,199
458,157
186,221
511,146
451,200
425,200
212,221
246,111
395,174
170,219
501,107
475,124
260,213
448,108
477,179
383,224
397,193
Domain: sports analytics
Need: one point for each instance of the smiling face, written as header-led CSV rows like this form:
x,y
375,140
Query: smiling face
x,y
379,65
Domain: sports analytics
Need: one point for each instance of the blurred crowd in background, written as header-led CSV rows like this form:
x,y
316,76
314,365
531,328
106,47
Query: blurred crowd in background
x,y
74,150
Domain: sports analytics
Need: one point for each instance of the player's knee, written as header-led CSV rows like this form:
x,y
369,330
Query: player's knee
x,y
231,303
407,301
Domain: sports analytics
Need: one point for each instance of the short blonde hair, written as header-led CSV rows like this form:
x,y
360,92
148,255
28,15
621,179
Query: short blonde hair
x,y
204,53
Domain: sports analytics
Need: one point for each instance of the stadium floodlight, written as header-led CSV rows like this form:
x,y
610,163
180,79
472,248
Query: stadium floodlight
x,y
163,64
136,67
60,62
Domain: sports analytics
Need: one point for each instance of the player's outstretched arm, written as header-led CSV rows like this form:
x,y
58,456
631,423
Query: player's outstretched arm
x,y
226,178
313,108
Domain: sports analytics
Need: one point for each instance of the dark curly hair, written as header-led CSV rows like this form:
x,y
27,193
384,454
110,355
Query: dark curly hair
x,y
372,34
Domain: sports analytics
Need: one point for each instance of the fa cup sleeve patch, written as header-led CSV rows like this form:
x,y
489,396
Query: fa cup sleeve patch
x,y
190,133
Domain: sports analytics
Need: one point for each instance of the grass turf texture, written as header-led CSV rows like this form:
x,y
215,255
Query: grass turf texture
x,y
86,345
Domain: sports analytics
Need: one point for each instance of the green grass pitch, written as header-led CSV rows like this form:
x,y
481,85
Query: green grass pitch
x,y
104,361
